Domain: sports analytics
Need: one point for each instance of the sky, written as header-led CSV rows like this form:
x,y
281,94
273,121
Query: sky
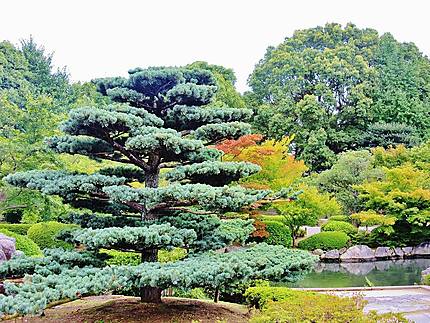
x,y
99,38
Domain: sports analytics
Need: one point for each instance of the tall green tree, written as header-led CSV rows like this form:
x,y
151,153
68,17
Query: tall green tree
x,y
159,128
328,85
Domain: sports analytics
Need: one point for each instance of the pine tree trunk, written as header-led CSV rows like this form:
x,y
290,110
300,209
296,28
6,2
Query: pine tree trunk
x,y
150,294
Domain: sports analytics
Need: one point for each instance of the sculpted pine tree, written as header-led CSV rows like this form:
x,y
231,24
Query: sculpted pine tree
x,y
158,127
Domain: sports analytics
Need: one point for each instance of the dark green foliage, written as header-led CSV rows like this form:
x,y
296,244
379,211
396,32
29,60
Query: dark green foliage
x,y
325,241
23,243
19,228
341,226
44,234
13,216
207,271
279,233
341,88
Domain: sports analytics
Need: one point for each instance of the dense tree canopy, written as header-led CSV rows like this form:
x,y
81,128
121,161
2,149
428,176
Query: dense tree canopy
x,y
329,85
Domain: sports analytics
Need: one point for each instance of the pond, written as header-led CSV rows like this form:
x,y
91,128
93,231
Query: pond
x,y
379,273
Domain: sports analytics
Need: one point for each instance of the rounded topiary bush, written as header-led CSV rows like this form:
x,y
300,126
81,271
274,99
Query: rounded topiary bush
x,y
19,228
325,240
342,226
279,234
23,243
44,234
343,218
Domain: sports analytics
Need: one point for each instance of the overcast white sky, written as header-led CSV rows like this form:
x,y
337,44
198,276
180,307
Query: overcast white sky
x,y
97,38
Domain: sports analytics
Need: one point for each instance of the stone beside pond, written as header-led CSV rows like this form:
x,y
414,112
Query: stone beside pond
x,y
362,253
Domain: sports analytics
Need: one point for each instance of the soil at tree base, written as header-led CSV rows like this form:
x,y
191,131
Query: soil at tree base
x,y
115,309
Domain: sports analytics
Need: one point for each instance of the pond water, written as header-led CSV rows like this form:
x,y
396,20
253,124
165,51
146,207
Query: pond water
x,y
379,273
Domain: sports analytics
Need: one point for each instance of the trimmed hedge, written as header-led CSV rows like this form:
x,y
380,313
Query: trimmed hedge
x,y
19,228
23,243
342,226
279,234
44,234
259,296
325,240
120,258
343,218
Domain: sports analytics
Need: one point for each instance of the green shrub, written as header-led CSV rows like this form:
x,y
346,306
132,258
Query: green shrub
x,y
19,228
23,243
325,241
426,280
343,218
120,258
195,293
279,234
314,307
341,226
44,234
259,296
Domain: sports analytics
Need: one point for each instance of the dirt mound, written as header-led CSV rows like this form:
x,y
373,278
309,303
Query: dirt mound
x,y
128,309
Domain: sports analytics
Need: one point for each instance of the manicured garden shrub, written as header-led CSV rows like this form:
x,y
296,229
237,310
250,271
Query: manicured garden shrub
x,y
19,228
259,296
44,234
343,218
341,226
325,241
426,280
23,243
314,307
279,234
121,258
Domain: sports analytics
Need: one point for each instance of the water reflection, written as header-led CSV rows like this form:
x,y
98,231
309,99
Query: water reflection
x,y
380,273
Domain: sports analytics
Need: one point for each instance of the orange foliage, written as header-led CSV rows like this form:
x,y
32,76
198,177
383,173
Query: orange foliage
x,y
234,147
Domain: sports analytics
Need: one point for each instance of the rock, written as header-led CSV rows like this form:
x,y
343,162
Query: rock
x,y
358,253
384,253
343,250
398,252
2,256
8,247
422,250
332,255
318,252
407,251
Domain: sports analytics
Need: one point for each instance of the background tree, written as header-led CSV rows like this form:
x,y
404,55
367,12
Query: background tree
x,y
327,85
159,129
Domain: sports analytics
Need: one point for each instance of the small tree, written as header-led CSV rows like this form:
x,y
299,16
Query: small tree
x,y
160,128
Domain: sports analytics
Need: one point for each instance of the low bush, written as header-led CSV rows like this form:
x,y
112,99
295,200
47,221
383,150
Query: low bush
x,y
346,227
259,296
313,307
195,293
325,241
120,258
343,218
426,280
23,243
279,234
45,233
19,228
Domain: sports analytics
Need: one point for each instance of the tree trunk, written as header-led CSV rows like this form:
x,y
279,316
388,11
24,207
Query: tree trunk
x,y
150,294
216,296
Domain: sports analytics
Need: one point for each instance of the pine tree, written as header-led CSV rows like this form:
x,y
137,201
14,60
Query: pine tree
x,y
167,181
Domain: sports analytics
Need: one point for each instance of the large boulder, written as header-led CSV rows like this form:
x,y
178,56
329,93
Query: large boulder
x,y
384,253
422,250
7,247
358,253
331,255
408,251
